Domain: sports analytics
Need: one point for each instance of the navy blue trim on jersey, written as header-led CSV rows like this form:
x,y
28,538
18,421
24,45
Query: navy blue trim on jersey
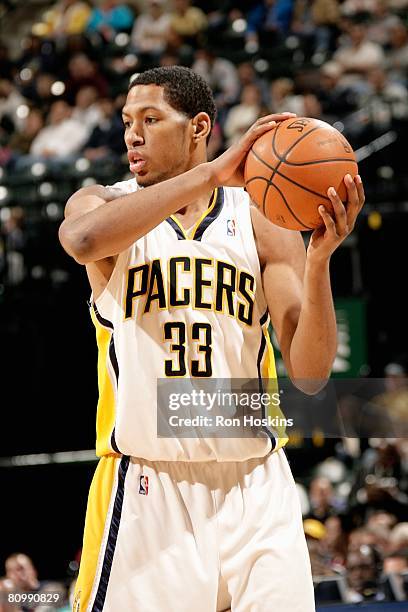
x,y
206,222
261,352
176,228
100,596
113,442
102,321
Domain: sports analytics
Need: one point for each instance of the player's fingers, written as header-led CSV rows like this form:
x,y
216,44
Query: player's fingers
x,y
360,190
257,130
341,220
275,117
328,221
352,193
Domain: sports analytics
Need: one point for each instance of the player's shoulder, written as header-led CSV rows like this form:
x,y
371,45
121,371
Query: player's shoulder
x,y
123,187
236,195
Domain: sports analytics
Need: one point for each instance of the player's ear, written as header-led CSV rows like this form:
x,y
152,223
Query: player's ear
x,y
200,127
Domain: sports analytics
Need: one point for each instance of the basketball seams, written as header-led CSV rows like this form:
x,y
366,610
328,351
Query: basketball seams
x,y
288,207
293,145
320,161
275,171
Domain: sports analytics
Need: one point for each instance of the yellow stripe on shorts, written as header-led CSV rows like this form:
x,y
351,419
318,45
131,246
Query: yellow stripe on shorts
x,y
101,525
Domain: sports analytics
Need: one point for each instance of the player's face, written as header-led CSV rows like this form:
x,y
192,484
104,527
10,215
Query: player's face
x,y
157,136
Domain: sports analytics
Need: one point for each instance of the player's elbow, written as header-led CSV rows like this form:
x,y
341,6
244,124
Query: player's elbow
x,y
310,386
76,243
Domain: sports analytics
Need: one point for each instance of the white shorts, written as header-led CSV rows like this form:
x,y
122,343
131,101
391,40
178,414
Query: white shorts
x,y
194,537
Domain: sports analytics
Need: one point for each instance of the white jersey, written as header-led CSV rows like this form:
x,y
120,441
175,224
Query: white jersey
x,y
181,306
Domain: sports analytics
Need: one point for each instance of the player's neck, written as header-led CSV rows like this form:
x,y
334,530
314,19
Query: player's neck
x,y
190,213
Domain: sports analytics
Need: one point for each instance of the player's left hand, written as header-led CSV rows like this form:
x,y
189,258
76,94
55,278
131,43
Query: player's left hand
x,y
339,224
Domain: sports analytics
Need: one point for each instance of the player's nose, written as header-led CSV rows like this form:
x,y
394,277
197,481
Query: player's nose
x,y
134,138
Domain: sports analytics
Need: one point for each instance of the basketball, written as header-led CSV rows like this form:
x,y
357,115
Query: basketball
x,y
290,168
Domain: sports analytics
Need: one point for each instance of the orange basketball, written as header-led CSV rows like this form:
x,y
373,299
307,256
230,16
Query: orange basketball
x,y
290,168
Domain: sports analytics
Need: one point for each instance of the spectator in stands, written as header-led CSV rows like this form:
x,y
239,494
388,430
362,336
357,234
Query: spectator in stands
x,y
282,97
186,22
20,570
315,532
6,588
39,91
10,100
334,543
106,139
220,74
86,109
150,33
363,572
399,536
83,71
322,499
243,115
316,20
268,22
247,75
396,562
357,55
384,101
61,138
20,142
396,60
66,17
39,55
355,7
109,18
382,520
380,481
381,23
337,99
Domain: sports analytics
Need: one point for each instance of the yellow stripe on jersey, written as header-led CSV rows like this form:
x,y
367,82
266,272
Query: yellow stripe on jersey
x,y
99,501
268,370
205,213
201,219
106,411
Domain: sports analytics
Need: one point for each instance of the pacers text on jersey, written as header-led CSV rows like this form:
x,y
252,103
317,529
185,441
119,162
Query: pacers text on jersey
x,y
192,282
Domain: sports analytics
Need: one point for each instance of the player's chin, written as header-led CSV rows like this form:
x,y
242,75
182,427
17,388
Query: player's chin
x,y
147,179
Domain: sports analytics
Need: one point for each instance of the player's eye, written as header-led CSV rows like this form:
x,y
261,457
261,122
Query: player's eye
x,y
151,120
126,124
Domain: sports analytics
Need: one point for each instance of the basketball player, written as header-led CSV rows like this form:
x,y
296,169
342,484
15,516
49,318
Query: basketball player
x,y
185,277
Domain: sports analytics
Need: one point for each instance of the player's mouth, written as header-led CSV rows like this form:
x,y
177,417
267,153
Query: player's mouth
x,y
136,162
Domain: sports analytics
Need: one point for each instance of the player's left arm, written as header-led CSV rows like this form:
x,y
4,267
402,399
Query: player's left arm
x,y
297,287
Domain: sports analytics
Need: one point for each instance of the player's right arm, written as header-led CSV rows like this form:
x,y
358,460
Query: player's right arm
x,y
99,225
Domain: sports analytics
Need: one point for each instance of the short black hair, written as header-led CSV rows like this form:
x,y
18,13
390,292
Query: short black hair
x,y
185,90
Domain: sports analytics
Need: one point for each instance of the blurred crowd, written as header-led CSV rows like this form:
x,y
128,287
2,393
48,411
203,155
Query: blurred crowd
x,y
63,85
355,514
62,89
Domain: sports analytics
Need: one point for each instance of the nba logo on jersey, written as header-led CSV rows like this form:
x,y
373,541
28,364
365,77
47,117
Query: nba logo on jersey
x,y
144,485
230,227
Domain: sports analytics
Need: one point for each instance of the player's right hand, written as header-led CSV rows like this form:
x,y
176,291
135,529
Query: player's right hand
x,y
228,168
